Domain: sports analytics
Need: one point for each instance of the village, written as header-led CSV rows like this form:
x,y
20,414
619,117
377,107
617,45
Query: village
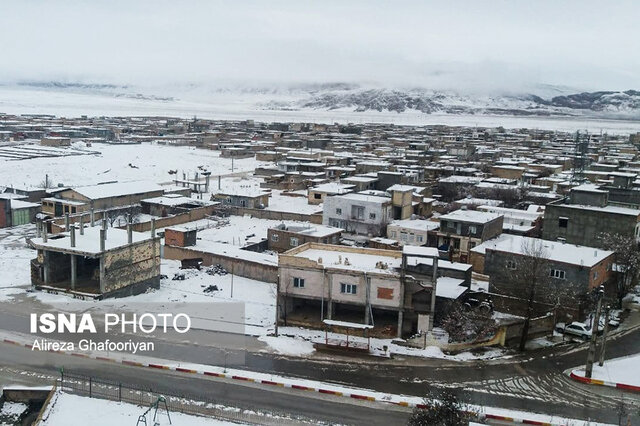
x,y
358,240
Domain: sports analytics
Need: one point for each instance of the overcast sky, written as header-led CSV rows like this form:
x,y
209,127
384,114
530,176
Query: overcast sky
x,y
472,44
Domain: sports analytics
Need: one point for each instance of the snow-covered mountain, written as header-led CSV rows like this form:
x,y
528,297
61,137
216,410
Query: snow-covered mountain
x,y
538,101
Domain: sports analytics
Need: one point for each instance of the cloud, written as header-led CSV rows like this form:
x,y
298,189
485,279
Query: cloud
x,y
495,45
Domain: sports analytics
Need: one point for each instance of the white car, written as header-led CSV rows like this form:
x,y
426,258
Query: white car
x,y
578,329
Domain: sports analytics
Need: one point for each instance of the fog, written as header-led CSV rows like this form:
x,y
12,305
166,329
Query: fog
x,y
471,45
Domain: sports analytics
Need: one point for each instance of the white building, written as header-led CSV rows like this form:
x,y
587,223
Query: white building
x,y
358,213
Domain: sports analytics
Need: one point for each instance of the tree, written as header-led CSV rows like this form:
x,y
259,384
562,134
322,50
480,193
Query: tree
x,y
531,276
444,409
464,324
627,254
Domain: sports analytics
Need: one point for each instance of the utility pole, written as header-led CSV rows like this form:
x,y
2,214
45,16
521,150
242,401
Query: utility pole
x,y
591,354
277,303
604,335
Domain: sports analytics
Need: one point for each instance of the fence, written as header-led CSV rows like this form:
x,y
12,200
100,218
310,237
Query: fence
x,y
199,405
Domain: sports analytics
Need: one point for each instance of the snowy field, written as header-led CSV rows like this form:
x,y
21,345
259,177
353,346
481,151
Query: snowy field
x,y
142,162
33,101
66,409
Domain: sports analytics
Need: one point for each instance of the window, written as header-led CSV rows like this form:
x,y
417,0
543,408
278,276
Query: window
x,y
456,244
317,196
357,212
563,222
338,211
595,275
451,224
348,288
372,215
420,239
511,264
294,241
557,273
275,237
298,282
393,234
473,229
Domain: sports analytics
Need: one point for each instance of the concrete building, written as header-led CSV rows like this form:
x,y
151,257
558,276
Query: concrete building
x,y
96,262
358,213
411,232
317,194
574,271
15,210
519,222
358,285
250,198
461,230
285,237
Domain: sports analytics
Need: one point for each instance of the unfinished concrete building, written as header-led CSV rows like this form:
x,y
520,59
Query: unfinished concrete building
x,y
96,262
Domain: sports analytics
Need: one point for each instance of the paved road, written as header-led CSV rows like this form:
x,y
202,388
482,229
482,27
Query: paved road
x,y
533,382
21,365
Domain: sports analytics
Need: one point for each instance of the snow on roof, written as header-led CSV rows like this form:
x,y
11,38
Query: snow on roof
x,y
347,324
416,224
90,241
318,231
19,204
108,190
442,264
554,250
479,201
471,216
420,251
512,213
176,200
332,258
607,209
589,187
366,179
404,188
333,188
450,288
366,198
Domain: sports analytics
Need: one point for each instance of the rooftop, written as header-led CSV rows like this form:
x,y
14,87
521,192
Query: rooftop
x,y
470,216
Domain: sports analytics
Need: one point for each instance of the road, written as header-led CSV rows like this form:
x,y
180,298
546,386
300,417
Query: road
x,y
531,382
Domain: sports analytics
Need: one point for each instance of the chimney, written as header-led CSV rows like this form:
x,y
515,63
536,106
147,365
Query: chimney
x,y
153,228
73,236
206,183
66,222
129,233
81,222
93,217
104,227
103,237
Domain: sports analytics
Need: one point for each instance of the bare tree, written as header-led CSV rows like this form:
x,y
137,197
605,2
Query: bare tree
x,y
464,324
627,254
441,409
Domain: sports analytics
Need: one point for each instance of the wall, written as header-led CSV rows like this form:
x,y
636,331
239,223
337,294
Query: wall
x,y
284,239
585,226
274,215
243,268
5,213
131,264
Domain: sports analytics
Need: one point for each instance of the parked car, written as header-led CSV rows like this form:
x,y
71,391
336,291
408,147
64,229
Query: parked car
x,y
578,329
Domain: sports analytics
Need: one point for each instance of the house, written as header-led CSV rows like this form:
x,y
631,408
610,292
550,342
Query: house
x,y
55,141
250,198
317,194
358,213
574,271
99,197
519,222
411,232
15,210
461,230
96,262
358,285
585,215
172,204
285,237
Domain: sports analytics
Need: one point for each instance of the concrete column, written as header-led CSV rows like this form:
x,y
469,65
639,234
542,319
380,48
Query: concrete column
x,y
45,268
367,305
330,309
153,228
92,215
44,232
103,276
74,273
66,222
38,228
81,224
129,233
103,235
400,321
73,236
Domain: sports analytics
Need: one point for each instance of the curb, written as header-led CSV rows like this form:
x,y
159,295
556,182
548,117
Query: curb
x,y
588,381
407,404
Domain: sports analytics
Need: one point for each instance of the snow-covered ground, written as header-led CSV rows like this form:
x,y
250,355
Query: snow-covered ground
x,y
66,409
624,370
151,162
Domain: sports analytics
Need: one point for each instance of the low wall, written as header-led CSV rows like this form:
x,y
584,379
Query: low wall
x,y
240,267
275,215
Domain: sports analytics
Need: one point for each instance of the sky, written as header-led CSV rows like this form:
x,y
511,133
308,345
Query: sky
x,y
476,45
